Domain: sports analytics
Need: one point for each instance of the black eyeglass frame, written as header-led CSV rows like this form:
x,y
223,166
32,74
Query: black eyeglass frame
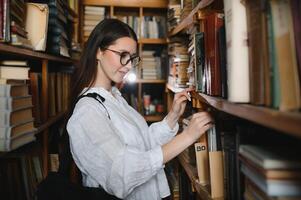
x,y
121,54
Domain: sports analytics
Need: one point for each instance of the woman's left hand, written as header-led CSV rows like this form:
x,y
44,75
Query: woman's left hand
x,y
178,106
179,102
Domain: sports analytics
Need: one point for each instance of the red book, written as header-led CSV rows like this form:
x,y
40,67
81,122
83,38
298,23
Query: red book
x,y
213,22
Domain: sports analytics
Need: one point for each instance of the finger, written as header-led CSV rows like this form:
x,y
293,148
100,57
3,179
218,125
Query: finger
x,y
181,99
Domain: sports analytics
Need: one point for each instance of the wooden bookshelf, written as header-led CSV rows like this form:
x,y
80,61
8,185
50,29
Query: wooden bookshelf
x,y
27,53
174,89
190,18
153,118
191,171
50,122
152,41
287,122
128,3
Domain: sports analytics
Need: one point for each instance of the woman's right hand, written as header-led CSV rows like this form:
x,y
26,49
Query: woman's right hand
x,y
198,125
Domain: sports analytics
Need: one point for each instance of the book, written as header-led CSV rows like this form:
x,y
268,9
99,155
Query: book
x,y
237,47
213,22
271,157
13,143
8,72
13,90
286,55
276,174
273,187
16,130
14,63
11,118
258,53
15,103
37,25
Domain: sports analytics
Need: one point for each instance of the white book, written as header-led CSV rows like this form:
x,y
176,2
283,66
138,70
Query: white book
x,y
271,157
273,187
19,73
237,51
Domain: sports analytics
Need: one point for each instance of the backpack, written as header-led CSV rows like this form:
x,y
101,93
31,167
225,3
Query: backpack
x,y
58,186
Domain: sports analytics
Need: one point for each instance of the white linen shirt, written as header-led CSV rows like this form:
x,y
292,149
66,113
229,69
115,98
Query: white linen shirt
x,y
122,154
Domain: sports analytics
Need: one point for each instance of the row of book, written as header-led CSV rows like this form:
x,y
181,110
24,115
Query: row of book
x,y
154,27
20,175
261,67
92,16
41,26
16,119
224,160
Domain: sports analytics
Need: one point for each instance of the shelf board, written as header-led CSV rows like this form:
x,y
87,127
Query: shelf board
x,y
189,19
17,51
128,3
191,171
152,41
150,81
174,89
50,122
153,118
288,122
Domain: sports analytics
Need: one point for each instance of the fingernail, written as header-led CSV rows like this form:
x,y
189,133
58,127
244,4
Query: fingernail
x,y
189,96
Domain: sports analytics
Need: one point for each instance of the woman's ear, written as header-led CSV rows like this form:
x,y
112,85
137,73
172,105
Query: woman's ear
x,y
99,54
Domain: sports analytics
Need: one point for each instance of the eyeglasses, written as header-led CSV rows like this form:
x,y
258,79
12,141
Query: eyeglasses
x,y
126,57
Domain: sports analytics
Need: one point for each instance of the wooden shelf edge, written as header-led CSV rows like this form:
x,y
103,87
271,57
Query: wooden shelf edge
x,y
128,3
50,122
191,171
153,118
150,81
10,49
287,122
189,19
174,89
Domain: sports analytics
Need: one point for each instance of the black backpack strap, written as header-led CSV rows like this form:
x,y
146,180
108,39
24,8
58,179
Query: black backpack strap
x,y
65,156
97,97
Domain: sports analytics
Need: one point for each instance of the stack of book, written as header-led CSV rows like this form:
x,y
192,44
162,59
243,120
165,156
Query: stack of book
x,y
16,121
271,172
92,16
151,65
132,21
59,37
173,15
186,7
178,62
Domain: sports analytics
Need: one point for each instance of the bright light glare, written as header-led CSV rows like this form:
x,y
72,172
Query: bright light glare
x,y
131,77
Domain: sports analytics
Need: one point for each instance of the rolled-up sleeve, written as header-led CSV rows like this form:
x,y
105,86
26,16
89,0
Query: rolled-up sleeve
x,y
99,153
161,133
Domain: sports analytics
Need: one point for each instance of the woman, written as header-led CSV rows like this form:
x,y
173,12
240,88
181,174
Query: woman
x,y
112,145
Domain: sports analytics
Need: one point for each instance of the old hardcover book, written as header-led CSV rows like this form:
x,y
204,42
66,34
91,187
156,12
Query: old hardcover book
x,y
11,118
213,22
286,55
15,103
37,25
296,13
258,52
199,60
13,72
16,130
237,52
13,90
